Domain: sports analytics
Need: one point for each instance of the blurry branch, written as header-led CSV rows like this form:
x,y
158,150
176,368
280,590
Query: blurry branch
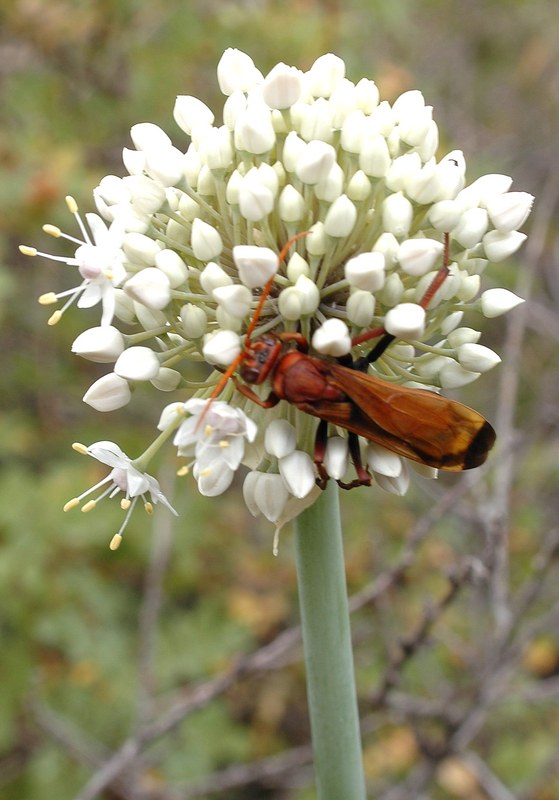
x,y
498,504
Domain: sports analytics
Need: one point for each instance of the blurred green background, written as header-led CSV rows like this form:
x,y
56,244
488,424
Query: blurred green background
x,y
93,643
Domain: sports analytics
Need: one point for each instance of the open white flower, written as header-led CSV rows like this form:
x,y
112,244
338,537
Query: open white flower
x,y
124,477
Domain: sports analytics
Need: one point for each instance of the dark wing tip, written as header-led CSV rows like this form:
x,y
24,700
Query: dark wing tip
x,y
480,446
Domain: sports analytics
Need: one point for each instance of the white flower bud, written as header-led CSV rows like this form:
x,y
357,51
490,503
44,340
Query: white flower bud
x,y
235,300
315,162
495,302
471,227
340,218
217,149
451,322
256,265
165,165
172,265
256,200
103,344
291,206
233,107
374,158
454,376
140,249
150,287
397,214
353,132
477,358
325,74
265,493
280,438
330,187
413,127
309,294
236,71
124,307
297,472
388,245
509,211
398,485
360,308
479,192
205,240
166,379
221,347
367,95
226,321
108,393
149,318
332,338
469,287
293,149
405,321
213,276
192,165
147,136
316,242
383,118
366,271
418,256
290,304
190,113
194,321
254,131
113,190
282,86
392,291
498,245
461,336
429,365
403,171
382,461
336,457
359,187
410,102
445,215
137,364
297,266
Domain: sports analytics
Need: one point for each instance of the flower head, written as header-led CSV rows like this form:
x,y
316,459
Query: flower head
x,y
192,237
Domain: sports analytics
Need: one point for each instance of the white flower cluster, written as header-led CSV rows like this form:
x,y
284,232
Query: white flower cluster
x,y
182,246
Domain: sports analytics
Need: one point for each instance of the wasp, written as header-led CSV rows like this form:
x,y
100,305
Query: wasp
x,y
417,424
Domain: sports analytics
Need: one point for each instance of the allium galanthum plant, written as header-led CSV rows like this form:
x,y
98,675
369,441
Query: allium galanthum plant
x,y
181,248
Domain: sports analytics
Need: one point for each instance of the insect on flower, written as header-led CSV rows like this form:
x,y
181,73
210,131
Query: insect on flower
x,y
415,423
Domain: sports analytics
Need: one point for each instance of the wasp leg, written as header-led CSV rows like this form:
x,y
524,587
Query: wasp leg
x,y
363,477
271,401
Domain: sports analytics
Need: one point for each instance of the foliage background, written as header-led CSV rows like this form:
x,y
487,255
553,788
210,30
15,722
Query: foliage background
x,y
95,646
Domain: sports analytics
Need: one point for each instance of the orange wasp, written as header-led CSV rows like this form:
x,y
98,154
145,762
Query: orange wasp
x,y
415,423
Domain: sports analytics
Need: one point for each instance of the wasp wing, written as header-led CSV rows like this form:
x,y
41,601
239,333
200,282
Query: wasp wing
x,y
414,423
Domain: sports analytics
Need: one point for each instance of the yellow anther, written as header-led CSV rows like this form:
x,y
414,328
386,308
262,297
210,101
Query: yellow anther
x,y
52,230
80,448
72,205
125,503
183,471
208,430
115,541
224,443
27,251
48,299
148,508
89,506
55,318
71,504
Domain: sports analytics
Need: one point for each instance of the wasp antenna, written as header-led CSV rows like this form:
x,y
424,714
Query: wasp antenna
x,y
221,383
440,277
268,287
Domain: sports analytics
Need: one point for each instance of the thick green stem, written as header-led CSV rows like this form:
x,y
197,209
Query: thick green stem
x,y
331,690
